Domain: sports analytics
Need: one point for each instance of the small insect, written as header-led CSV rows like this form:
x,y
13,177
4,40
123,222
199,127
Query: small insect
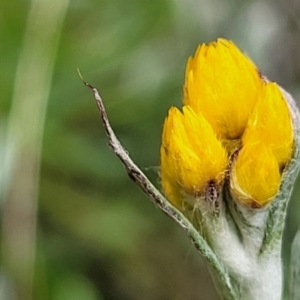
x,y
212,195
263,77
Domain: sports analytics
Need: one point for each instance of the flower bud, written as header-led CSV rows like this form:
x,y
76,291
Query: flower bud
x,y
255,176
191,155
223,84
228,108
270,123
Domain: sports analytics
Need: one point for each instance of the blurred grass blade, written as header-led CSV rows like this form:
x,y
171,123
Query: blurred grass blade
x,y
24,140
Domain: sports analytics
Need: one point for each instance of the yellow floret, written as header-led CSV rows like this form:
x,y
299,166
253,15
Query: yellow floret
x,y
255,177
271,123
223,84
191,155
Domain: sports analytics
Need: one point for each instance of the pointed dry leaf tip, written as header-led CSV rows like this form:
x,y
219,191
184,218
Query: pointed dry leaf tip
x,y
191,155
228,108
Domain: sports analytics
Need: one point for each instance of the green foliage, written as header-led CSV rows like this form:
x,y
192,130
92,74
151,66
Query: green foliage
x,y
98,236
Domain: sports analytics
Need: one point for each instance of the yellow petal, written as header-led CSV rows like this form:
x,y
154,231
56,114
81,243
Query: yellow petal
x,y
223,84
255,177
191,155
271,123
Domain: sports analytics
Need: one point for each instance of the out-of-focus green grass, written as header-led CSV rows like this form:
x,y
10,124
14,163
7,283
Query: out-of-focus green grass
x,y
98,236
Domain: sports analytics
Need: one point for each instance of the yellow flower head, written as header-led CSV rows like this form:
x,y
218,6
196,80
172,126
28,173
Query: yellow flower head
x,y
191,155
223,84
270,123
255,176
226,104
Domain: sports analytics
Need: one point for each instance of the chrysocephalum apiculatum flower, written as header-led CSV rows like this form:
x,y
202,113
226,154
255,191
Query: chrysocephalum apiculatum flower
x,y
232,149
267,146
232,122
223,84
183,168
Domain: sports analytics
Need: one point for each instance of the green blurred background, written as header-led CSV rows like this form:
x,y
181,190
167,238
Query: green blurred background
x,y
73,224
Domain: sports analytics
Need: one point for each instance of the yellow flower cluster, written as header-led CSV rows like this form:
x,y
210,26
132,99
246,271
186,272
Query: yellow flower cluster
x,y
227,108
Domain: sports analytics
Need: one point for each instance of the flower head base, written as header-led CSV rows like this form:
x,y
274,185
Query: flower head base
x,y
228,108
